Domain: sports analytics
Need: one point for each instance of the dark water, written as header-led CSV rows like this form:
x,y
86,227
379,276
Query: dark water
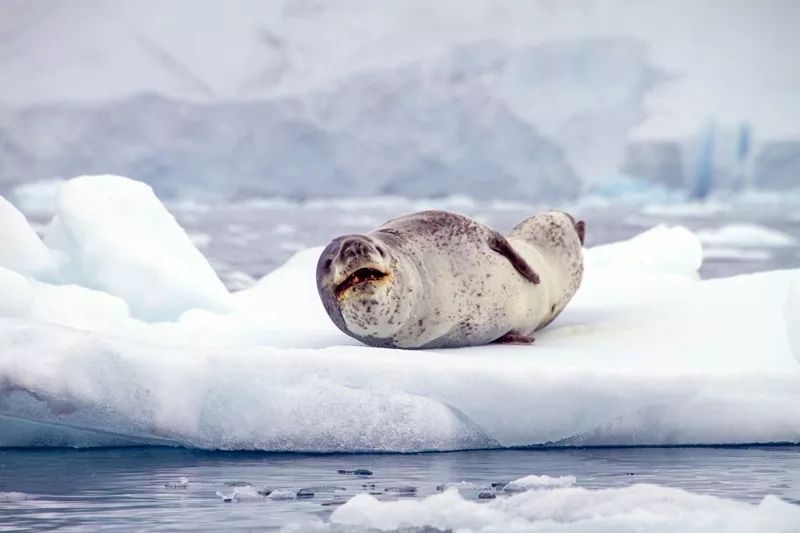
x,y
135,488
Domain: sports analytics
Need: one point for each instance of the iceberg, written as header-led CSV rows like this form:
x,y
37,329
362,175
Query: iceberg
x,y
646,354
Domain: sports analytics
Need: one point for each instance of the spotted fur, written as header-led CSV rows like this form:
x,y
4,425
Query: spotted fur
x,y
450,281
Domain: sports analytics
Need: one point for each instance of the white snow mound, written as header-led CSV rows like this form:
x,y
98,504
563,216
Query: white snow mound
x,y
21,249
792,313
117,237
637,508
646,354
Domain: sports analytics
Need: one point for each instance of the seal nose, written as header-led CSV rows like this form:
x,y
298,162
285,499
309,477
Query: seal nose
x,y
356,247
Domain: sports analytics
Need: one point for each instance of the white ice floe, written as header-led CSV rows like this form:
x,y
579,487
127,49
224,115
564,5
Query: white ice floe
x,y
117,237
21,249
792,313
746,235
636,508
539,482
645,354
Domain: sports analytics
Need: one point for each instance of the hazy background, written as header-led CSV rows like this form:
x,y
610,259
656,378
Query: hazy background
x,y
541,100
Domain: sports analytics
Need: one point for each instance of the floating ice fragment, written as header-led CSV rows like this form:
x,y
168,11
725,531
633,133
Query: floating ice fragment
x,y
15,496
227,498
182,483
305,493
282,494
636,508
539,482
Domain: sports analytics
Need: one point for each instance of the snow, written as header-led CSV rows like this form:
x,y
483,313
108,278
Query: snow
x,y
17,294
792,313
117,237
21,249
746,235
636,508
645,354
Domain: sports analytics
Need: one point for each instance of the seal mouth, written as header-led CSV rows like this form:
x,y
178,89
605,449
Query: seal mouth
x,y
359,277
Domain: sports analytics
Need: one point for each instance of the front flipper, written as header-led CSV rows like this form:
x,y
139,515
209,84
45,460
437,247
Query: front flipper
x,y
499,244
514,338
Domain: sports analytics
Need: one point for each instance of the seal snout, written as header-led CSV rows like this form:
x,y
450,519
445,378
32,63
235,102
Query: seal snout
x,y
354,260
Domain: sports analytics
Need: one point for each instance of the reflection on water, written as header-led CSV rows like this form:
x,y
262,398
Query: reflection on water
x,y
141,488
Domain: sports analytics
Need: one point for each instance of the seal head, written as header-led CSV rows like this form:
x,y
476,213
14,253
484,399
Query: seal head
x,y
359,280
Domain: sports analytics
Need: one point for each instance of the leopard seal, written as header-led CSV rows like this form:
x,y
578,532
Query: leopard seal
x,y
437,279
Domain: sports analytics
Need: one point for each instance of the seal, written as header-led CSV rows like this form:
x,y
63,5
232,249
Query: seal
x,y
436,279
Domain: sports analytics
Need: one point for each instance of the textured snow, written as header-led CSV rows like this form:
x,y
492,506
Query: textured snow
x,y
792,313
645,354
117,237
636,508
744,235
21,249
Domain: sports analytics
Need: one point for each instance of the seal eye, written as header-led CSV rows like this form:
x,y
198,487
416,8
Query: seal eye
x,y
328,263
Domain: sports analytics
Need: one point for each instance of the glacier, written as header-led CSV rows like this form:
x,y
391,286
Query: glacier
x,y
646,354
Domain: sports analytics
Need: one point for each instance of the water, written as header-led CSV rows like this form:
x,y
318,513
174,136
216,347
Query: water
x,y
247,240
133,488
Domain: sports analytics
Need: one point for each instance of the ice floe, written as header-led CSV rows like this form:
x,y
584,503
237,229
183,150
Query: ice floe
x,y
635,508
117,237
647,354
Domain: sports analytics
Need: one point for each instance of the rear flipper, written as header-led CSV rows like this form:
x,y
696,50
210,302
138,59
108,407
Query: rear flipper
x,y
514,338
499,244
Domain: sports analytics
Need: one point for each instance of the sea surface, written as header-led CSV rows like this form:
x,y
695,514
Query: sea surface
x,y
124,489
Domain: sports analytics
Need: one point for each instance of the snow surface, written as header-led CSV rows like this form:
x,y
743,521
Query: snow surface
x,y
637,508
645,354
793,316
117,237
21,248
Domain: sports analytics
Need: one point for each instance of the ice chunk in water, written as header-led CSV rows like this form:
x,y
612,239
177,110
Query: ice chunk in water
x,y
282,494
15,496
575,510
539,482
117,237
